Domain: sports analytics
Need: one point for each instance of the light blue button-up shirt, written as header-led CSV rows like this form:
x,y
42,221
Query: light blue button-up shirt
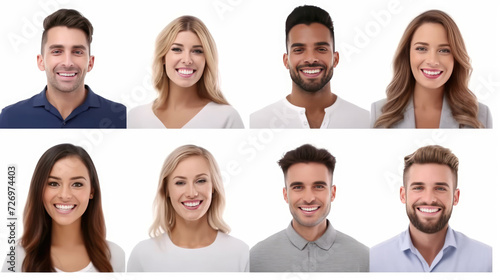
x,y
459,254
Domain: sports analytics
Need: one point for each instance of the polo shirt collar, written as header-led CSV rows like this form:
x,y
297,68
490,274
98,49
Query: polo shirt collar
x,y
90,101
325,242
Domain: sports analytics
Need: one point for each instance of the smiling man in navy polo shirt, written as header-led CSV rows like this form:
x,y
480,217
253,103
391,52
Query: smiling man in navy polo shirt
x,y
66,102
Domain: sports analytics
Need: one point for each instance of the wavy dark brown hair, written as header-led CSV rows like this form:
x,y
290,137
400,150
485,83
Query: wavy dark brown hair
x,y
463,102
36,239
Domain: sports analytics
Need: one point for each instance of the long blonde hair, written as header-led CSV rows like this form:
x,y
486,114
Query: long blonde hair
x,y
164,220
208,85
463,102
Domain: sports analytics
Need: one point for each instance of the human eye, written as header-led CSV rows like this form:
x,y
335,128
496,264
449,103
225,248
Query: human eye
x,y
201,181
56,52
420,48
77,184
176,49
179,183
78,52
198,51
297,50
296,187
319,187
52,184
445,50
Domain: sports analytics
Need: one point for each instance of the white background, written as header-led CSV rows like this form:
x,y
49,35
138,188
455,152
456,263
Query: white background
x,y
250,38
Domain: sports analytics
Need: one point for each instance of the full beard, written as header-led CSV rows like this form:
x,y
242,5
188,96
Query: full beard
x,y
311,87
428,227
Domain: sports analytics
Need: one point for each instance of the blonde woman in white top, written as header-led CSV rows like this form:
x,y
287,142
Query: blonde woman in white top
x,y
188,232
185,74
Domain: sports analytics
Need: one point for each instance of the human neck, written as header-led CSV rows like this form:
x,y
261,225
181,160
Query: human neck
x,y
310,233
312,100
192,234
66,102
428,244
180,97
424,98
67,235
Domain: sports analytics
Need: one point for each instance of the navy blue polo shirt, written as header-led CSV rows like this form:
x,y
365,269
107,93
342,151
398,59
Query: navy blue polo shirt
x,y
37,112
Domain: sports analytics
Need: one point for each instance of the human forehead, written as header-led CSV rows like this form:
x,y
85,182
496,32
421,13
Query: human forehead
x,y
429,173
430,32
68,37
192,165
187,36
309,34
307,173
69,165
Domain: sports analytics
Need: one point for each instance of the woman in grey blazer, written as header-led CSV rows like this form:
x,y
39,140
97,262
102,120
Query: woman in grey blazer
x,y
429,88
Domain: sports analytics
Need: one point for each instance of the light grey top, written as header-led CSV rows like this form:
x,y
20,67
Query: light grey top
x,y
225,254
287,251
213,115
117,260
446,121
283,114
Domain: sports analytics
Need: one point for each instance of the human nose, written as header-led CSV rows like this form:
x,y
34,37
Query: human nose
x,y
65,192
191,190
68,59
432,59
310,57
429,197
308,195
186,58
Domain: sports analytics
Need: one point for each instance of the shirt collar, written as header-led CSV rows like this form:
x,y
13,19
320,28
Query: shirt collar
x,y
325,242
90,101
406,244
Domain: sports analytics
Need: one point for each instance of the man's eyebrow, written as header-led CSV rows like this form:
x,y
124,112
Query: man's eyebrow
x,y
296,184
57,46
417,184
322,44
297,45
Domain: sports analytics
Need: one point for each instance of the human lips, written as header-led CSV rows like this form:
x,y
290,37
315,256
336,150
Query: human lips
x,y
431,73
192,204
64,208
428,210
185,72
309,209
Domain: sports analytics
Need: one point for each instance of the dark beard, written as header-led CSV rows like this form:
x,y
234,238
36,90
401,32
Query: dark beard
x,y
308,86
428,228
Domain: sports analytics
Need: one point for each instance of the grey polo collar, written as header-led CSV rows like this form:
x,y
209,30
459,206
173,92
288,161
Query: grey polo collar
x,y
325,242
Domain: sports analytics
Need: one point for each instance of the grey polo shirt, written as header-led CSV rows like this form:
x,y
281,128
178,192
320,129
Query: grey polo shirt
x,y
287,251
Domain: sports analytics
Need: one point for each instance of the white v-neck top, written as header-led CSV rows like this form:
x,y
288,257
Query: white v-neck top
x,y
160,254
213,115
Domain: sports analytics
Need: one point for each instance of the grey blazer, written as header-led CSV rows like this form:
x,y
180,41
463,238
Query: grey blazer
x,y
447,120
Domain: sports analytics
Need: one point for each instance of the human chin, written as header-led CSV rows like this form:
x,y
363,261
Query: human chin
x,y
310,85
423,224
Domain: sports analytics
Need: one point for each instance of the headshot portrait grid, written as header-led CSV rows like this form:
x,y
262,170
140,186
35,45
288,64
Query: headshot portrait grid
x,y
207,76
365,45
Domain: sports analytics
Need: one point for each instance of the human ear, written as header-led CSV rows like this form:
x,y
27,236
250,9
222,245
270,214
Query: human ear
x,y
402,194
285,60
40,63
285,195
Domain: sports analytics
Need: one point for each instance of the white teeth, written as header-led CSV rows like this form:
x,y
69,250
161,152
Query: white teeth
x,y
428,210
314,71
309,209
67,74
64,207
192,204
433,73
186,71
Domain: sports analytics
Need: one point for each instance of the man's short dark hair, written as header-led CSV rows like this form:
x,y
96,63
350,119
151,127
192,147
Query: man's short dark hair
x,y
305,154
307,15
69,18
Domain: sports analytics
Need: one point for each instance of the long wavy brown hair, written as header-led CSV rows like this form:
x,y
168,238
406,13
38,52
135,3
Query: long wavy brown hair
x,y
208,85
463,102
36,239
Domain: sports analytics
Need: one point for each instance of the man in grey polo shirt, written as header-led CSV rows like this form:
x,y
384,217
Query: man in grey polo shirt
x,y
309,243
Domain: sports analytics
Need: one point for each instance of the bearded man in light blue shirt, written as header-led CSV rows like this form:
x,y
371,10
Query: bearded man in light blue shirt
x,y
429,244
